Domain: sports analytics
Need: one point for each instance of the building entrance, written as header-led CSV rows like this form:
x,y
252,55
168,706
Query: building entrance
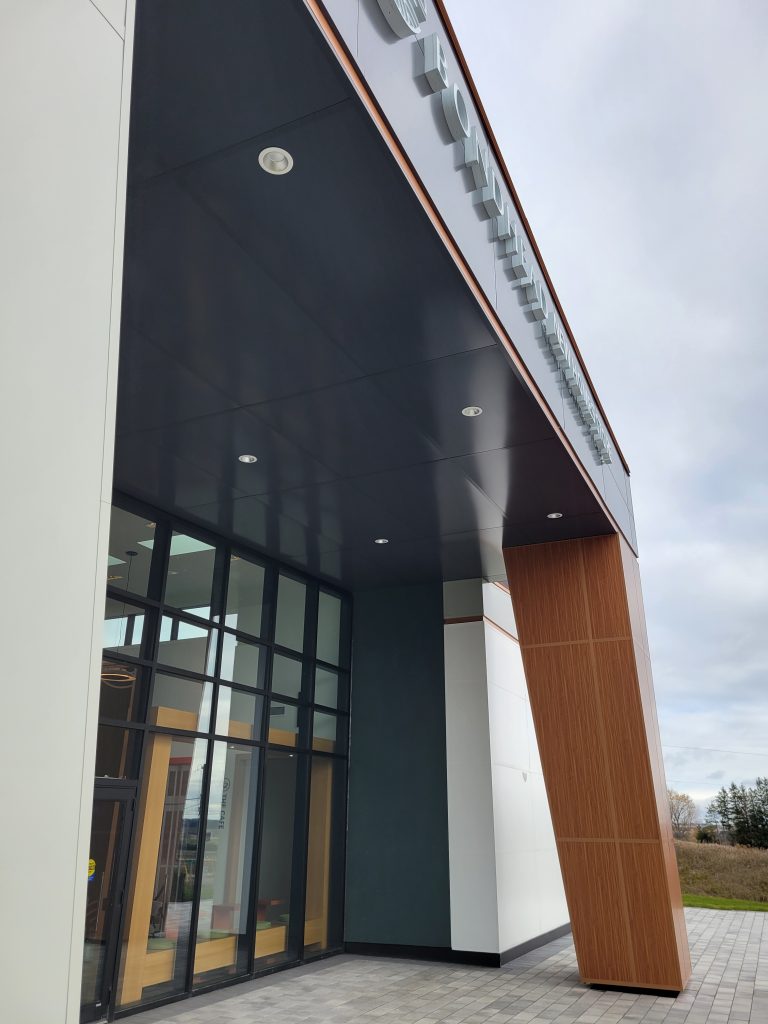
x,y
224,712
110,830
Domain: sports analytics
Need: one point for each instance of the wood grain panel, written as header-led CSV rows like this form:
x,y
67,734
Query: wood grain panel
x,y
653,932
627,753
606,590
565,713
578,606
546,578
591,875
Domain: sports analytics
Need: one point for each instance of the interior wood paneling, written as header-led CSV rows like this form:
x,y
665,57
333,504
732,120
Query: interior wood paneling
x,y
578,606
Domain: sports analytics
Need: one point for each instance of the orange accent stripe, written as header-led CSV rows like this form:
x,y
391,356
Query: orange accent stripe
x,y
458,619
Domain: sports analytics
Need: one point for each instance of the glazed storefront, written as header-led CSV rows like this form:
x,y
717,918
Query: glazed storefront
x,y
220,769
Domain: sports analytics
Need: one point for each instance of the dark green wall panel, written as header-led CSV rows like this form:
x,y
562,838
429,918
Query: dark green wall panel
x,y
397,844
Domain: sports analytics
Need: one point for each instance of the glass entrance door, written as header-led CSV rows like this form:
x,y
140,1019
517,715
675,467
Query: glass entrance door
x,y
110,829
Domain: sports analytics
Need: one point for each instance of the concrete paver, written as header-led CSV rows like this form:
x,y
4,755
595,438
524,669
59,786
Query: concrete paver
x,y
729,985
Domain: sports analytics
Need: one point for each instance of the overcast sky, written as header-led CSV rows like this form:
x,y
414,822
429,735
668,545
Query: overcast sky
x,y
636,134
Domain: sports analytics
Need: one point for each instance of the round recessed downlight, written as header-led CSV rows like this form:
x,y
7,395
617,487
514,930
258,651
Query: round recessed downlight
x,y
554,515
381,540
247,459
472,410
275,160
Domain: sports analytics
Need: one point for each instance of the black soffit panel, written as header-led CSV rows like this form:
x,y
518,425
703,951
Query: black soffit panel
x,y
314,320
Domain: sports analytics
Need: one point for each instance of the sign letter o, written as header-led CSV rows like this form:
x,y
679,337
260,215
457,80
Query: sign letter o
x,y
455,110
404,16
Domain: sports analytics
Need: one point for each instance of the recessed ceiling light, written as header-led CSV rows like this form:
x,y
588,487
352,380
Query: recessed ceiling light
x,y
248,459
554,515
381,540
472,410
275,160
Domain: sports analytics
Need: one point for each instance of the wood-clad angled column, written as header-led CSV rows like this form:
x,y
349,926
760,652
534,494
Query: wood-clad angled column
x,y
581,627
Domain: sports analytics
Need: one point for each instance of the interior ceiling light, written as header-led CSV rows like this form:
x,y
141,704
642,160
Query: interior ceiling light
x,y
554,515
381,540
472,410
275,160
248,459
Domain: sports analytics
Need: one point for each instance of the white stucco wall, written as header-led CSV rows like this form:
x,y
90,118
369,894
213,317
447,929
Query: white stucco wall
x,y
63,98
506,887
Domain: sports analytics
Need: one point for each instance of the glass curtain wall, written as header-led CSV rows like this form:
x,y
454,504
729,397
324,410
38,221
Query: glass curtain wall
x,y
224,715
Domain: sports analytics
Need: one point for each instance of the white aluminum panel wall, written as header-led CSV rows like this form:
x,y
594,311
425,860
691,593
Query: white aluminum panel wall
x,y
506,887
471,843
63,97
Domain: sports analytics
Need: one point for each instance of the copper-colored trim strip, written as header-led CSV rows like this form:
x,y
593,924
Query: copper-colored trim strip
x,y
500,629
459,619
440,7
369,102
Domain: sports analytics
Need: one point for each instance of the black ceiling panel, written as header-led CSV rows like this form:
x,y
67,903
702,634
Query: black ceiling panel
x,y
201,297
346,239
211,73
214,443
314,320
155,388
432,395
351,428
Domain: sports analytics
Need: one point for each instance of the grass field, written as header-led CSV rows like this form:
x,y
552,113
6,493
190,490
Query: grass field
x,y
723,877
717,903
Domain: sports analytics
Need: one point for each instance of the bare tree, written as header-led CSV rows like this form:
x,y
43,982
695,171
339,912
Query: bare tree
x,y
682,810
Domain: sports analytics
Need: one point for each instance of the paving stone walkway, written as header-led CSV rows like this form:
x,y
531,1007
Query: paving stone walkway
x,y
729,984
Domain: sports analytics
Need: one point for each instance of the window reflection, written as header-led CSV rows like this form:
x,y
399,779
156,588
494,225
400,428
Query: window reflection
x,y
131,540
117,753
291,609
207,677
322,923
283,723
245,596
180,703
328,627
326,687
241,661
185,645
123,628
161,888
273,909
324,729
286,676
189,582
221,949
121,694
238,714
